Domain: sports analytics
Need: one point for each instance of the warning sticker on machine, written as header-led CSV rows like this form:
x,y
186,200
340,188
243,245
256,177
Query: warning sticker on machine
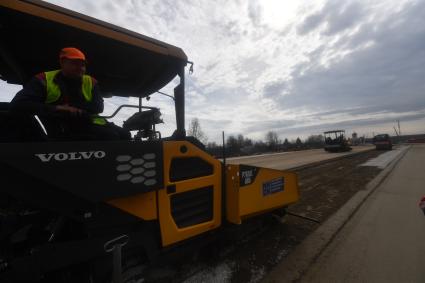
x,y
273,186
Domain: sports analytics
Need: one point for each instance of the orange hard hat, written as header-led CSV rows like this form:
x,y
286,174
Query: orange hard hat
x,y
72,53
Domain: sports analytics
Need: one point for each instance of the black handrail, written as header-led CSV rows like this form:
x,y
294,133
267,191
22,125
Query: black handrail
x,y
128,106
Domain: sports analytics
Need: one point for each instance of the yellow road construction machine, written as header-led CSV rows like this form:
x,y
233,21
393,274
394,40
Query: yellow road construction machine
x,y
77,210
335,141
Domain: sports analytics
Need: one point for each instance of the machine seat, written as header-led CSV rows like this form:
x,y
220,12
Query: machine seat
x,y
143,120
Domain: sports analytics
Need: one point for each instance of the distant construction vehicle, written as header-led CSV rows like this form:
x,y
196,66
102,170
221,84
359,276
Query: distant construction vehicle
x,y
335,141
86,211
383,141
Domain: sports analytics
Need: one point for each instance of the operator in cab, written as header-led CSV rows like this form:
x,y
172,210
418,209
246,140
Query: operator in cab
x,y
68,102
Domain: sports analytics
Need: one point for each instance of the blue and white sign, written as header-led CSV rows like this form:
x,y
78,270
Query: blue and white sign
x,y
273,186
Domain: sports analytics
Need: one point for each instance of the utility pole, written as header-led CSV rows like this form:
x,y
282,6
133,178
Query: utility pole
x,y
399,131
395,130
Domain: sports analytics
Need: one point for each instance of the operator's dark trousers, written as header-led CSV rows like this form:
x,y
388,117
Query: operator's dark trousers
x,y
84,129
110,131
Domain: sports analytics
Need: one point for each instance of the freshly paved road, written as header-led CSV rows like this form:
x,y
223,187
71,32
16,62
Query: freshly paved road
x,y
287,160
385,239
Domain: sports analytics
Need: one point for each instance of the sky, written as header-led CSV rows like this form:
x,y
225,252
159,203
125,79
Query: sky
x,y
297,68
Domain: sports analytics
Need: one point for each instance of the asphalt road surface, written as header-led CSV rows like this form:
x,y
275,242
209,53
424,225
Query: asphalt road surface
x,y
292,159
385,239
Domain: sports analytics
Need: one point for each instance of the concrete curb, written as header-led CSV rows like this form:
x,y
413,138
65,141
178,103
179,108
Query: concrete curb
x,y
297,263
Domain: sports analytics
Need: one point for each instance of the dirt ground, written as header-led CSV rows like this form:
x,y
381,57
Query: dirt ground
x,y
249,254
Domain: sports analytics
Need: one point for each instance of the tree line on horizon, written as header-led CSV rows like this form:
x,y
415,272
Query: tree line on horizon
x,y
236,145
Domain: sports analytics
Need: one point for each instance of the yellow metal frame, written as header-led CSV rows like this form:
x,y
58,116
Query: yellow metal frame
x,y
157,205
170,233
243,202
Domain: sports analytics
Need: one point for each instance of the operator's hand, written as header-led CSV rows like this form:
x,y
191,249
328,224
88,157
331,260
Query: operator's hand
x,y
70,109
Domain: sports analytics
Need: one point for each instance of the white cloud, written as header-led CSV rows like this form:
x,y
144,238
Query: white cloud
x,y
282,65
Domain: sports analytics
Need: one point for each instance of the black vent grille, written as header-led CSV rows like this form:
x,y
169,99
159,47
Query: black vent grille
x,y
192,207
188,168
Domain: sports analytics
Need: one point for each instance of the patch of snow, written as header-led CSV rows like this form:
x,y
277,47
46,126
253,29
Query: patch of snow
x,y
257,274
221,273
282,254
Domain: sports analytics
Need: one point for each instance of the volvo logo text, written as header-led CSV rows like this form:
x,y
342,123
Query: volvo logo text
x,y
63,156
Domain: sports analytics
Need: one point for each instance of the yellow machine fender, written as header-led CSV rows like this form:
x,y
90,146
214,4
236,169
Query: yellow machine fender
x,y
253,190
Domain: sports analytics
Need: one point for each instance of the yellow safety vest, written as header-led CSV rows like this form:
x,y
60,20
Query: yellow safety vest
x,y
54,92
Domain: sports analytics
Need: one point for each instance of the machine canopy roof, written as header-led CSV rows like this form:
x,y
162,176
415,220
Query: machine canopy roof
x,y
124,62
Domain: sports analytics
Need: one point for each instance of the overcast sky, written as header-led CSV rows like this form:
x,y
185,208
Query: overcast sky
x,y
293,67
